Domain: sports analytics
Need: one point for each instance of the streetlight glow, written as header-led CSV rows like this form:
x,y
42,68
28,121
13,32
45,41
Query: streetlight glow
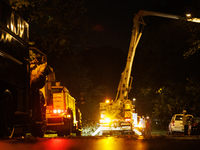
x,y
188,15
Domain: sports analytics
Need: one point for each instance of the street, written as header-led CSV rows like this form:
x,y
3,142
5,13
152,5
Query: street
x,y
102,143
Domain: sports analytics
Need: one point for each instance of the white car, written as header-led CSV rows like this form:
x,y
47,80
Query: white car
x,y
176,123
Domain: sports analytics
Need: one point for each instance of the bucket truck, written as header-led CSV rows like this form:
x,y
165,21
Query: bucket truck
x,y
117,115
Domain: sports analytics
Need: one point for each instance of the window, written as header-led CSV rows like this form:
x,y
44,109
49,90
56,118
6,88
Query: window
x,y
179,117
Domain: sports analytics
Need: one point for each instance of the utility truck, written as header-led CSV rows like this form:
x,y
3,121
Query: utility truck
x,y
62,115
119,115
16,111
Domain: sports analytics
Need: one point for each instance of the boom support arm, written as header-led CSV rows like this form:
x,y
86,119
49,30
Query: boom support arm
x,y
125,84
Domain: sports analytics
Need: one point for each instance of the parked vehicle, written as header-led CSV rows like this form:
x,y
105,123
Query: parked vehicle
x,y
19,96
194,126
62,115
176,123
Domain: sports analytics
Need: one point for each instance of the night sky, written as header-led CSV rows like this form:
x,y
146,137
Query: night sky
x,y
113,19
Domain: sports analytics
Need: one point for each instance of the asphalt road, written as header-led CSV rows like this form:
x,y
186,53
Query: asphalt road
x,y
102,143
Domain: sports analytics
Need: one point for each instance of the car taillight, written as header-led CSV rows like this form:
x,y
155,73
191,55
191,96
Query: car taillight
x,y
173,123
195,124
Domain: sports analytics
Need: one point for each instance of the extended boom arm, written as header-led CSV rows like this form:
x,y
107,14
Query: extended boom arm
x,y
125,84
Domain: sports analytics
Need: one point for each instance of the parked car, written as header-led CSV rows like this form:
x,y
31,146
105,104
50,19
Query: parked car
x,y
176,123
194,126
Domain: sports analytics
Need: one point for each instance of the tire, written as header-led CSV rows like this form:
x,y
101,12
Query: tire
x,y
68,127
38,130
78,133
6,114
60,133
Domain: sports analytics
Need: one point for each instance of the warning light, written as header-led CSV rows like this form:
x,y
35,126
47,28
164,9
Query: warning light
x,y
107,101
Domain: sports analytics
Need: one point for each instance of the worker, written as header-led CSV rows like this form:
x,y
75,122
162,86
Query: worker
x,y
185,122
143,125
148,126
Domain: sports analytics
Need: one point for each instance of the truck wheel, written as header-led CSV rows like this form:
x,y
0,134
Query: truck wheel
x,y
78,133
6,115
69,126
38,130
60,133
67,132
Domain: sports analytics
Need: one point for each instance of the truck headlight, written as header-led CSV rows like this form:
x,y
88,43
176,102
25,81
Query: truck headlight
x,y
107,120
